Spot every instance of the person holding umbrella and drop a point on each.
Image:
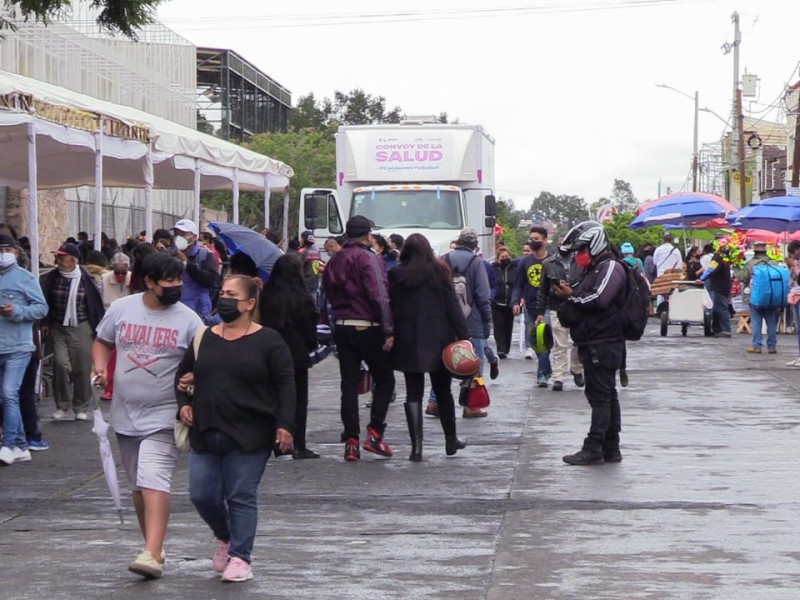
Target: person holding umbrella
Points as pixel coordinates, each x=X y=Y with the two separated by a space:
x=150 y=332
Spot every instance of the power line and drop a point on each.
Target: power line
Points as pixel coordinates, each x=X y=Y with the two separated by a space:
x=365 y=18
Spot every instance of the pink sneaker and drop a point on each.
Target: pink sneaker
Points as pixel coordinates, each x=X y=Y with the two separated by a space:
x=237 y=570
x=221 y=558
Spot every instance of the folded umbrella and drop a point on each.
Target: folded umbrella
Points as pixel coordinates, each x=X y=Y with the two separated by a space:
x=100 y=429
x=240 y=239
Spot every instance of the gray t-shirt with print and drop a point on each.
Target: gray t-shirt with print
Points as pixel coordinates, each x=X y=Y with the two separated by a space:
x=150 y=344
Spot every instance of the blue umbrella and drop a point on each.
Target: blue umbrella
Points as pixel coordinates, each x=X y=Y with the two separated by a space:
x=779 y=214
x=681 y=210
x=240 y=239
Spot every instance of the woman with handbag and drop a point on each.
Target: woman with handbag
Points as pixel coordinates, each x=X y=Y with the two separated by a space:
x=288 y=308
x=241 y=407
x=427 y=318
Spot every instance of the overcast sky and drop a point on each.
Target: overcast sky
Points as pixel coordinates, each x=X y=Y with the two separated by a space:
x=566 y=87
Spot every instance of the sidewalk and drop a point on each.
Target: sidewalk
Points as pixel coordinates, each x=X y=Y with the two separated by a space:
x=703 y=505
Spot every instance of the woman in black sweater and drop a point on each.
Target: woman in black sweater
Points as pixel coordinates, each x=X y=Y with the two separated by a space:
x=242 y=407
x=427 y=317
x=287 y=307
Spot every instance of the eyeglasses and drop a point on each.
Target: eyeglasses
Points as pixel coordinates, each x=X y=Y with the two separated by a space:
x=120 y=272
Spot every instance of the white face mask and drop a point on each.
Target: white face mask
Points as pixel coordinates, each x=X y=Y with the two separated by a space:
x=7 y=259
x=181 y=243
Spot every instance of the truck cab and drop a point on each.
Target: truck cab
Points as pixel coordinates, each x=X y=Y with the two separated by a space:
x=431 y=179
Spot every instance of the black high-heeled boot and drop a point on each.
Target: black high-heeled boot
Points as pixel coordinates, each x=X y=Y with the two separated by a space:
x=414 y=420
x=453 y=445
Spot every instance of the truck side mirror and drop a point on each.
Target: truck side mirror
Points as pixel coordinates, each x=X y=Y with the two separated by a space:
x=490 y=207
x=490 y=222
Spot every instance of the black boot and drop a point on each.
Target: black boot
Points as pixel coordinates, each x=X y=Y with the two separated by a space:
x=414 y=420
x=453 y=445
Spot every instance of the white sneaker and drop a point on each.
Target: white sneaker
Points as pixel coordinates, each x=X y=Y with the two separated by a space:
x=793 y=363
x=59 y=414
x=7 y=455
x=81 y=416
x=21 y=455
x=529 y=354
x=11 y=455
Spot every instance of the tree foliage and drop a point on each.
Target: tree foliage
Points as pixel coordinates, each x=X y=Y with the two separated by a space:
x=622 y=196
x=562 y=210
x=353 y=108
x=312 y=156
x=619 y=231
x=116 y=16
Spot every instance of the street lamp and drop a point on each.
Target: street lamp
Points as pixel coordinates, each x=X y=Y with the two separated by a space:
x=694 y=139
x=708 y=110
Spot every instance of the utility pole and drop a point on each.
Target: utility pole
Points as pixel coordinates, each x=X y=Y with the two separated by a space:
x=796 y=155
x=737 y=108
x=694 y=143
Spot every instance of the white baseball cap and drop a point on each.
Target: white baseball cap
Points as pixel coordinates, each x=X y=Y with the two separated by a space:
x=187 y=226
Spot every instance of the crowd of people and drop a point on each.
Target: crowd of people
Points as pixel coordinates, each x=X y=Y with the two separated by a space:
x=173 y=328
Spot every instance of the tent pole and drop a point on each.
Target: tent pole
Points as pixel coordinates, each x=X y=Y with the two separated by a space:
x=266 y=201
x=98 y=187
x=197 y=192
x=33 y=199
x=285 y=233
x=148 y=190
x=236 y=195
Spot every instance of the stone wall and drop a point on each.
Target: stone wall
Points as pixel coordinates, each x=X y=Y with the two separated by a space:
x=53 y=226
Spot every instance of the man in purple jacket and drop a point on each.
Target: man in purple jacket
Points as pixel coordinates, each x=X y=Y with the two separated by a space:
x=355 y=284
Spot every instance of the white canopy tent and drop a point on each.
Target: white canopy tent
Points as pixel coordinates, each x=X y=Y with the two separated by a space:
x=51 y=137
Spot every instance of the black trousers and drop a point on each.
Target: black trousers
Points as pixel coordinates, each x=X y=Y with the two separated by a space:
x=440 y=381
x=363 y=344
x=27 y=401
x=503 y=322
x=600 y=365
x=300 y=408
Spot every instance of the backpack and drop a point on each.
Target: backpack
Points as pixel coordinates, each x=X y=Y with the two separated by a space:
x=461 y=286
x=770 y=286
x=636 y=308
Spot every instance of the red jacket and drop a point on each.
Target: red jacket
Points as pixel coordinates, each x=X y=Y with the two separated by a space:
x=355 y=284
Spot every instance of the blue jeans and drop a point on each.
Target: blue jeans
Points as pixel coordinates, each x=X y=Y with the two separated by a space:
x=223 y=486
x=757 y=316
x=544 y=370
x=12 y=370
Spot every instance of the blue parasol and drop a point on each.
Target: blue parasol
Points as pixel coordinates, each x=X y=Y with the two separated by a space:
x=683 y=211
x=240 y=239
x=780 y=214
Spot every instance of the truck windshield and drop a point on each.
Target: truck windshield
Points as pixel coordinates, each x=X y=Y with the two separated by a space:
x=396 y=209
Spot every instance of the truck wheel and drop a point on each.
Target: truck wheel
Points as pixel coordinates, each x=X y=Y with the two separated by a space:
x=664 y=323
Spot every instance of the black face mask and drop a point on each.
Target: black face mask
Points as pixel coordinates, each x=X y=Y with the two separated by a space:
x=228 y=309
x=170 y=295
x=505 y=261
x=536 y=245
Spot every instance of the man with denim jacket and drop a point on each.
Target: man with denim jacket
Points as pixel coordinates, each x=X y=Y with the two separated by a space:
x=21 y=303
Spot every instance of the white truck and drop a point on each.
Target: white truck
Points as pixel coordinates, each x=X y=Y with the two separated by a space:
x=433 y=179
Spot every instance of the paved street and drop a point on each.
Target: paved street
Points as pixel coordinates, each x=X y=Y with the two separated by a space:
x=703 y=506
